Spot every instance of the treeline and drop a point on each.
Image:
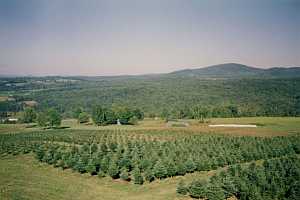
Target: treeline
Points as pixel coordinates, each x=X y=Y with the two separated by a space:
x=274 y=179
x=100 y=115
x=201 y=112
x=119 y=155
x=122 y=115
x=174 y=97
x=250 y=97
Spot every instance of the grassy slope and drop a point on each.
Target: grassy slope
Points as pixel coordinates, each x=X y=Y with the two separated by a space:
x=23 y=177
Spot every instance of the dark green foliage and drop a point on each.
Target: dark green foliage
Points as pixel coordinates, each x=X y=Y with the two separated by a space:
x=137 y=176
x=171 y=168
x=181 y=188
x=29 y=115
x=104 y=164
x=54 y=118
x=161 y=154
x=101 y=174
x=50 y=118
x=190 y=165
x=149 y=176
x=255 y=182
x=198 y=189
x=83 y=117
x=42 y=119
x=173 y=95
x=181 y=168
x=138 y=114
x=80 y=166
x=91 y=168
x=113 y=170
x=124 y=174
x=124 y=114
x=77 y=112
x=94 y=148
x=160 y=170
x=103 y=116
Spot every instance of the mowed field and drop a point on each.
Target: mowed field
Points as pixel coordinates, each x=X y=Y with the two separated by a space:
x=24 y=177
x=266 y=126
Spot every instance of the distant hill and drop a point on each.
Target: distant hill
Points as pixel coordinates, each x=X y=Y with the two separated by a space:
x=234 y=70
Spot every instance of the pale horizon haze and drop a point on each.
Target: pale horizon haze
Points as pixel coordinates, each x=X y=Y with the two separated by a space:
x=118 y=37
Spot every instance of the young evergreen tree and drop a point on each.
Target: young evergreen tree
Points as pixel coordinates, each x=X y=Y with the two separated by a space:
x=80 y=166
x=94 y=148
x=149 y=176
x=160 y=170
x=104 y=165
x=190 y=165
x=113 y=170
x=137 y=176
x=91 y=168
x=198 y=189
x=171 y=168
x=181 y=169
x=181 y=188
x=124 y=174
x=214 y=192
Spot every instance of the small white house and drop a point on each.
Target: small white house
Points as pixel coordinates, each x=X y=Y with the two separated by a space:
x=12 y=119
x=118 y=122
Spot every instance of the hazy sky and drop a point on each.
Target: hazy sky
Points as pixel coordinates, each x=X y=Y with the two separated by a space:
x=109 y=37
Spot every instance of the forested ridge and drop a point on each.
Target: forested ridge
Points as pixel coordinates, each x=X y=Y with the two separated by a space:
x=226 y=90
x=175 y=95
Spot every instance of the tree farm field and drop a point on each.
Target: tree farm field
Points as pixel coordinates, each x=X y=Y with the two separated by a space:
x=27 y=173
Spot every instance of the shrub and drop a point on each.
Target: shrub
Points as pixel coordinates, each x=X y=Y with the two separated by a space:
x=181 y=188
x=137 y=176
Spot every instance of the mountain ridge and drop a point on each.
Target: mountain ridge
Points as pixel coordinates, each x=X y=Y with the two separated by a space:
x=235 y=70
x=225 y=70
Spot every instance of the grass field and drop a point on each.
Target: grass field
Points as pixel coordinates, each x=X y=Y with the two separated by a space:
x=23 y=177
x=267 y=126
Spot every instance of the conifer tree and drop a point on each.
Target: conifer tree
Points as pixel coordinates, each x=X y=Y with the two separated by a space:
x=80 y=166
x=104 y=165
x=91 y=168
x=113 y=170
x=181 y=188
x=137 y=176
x=181 y=168
x=124 y=174
x=190 y=165
x=171 y=168
x=160 y=170
x=198 y=189
x=149 y=176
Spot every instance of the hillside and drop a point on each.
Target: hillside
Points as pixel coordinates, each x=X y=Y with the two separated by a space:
x=253 y=91
x=234 y=70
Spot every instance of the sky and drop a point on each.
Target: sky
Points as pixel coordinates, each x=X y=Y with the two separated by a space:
x=117 y=37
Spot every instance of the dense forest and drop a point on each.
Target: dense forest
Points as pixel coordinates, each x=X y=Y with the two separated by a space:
x=233 y=91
